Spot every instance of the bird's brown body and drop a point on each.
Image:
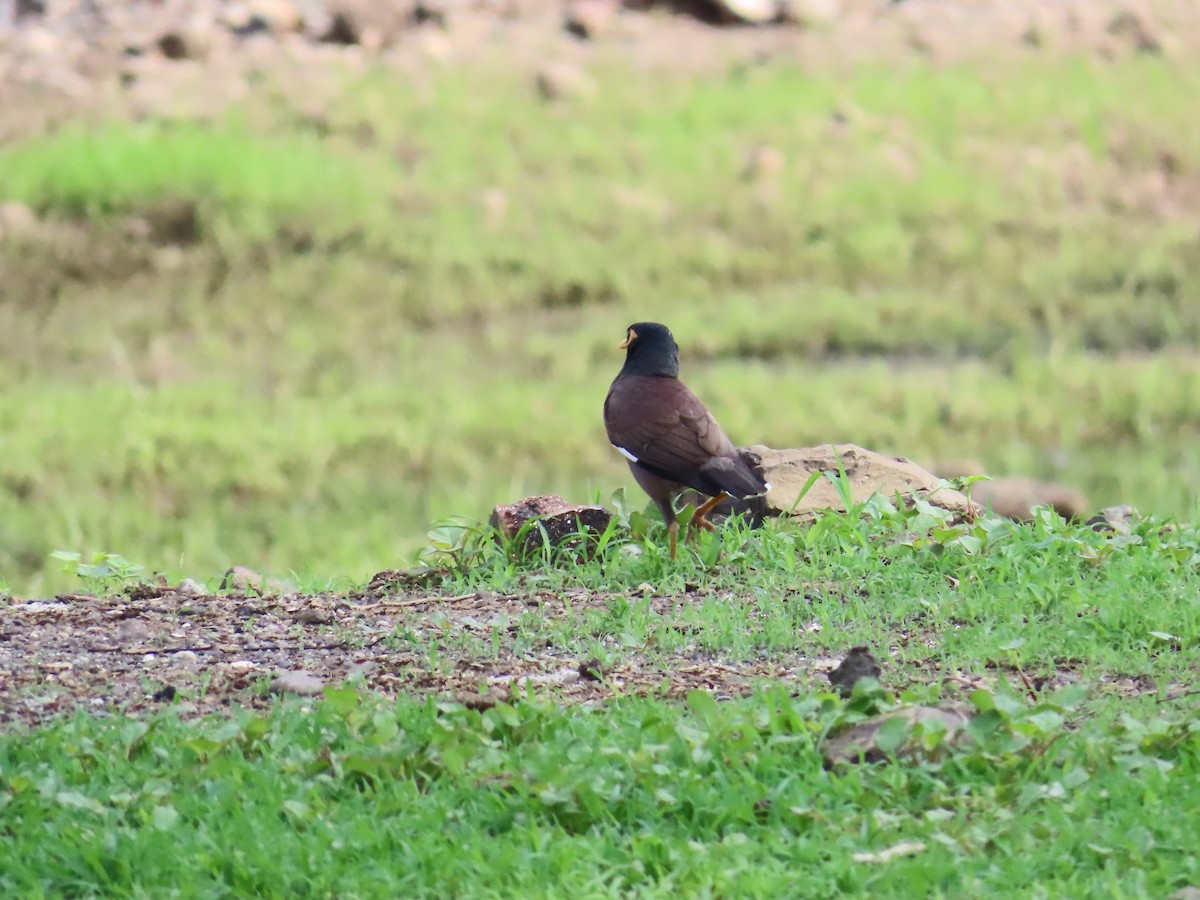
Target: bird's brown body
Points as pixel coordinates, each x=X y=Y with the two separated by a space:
x=670 y=440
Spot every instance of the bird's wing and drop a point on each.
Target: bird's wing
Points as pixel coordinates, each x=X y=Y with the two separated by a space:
x=664 y=427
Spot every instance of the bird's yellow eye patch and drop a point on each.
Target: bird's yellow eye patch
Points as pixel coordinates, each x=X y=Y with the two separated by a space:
x=630 y=337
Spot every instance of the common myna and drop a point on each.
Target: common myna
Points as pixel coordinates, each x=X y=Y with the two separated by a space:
x=670 y=440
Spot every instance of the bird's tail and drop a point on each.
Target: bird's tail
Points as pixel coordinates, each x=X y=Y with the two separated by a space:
x=735 y=475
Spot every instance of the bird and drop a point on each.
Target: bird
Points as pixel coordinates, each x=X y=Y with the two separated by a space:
x=668 y=437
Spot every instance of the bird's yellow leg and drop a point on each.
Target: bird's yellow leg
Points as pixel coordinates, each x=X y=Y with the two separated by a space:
x=698 y=517
x=673 y=536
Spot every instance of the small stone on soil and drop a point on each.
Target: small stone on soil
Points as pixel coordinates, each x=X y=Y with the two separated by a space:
x=858 y=664
x=297 y=683
x=165 y=694
x=314 y=617
x=590 y=670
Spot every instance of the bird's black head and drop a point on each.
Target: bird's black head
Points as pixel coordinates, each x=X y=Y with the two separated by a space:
x=650 y=349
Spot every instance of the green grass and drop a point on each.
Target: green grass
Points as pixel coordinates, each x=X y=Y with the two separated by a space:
x=246 y=183
x=951 y=597
x=1083 y=790
x=639 y=799
x=358 y=341
x=1062 y=794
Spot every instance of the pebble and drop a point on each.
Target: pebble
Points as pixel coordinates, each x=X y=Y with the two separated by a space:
x=297 y=683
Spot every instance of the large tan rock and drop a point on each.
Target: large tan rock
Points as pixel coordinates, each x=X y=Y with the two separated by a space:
x=868 y=472
x=1015 y=497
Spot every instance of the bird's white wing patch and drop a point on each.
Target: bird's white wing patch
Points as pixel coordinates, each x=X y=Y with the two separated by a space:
x=625 y=453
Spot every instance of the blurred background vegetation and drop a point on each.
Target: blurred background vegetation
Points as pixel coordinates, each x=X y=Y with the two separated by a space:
x=293 y=331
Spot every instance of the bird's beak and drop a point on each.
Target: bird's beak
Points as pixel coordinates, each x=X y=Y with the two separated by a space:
x=629 y=339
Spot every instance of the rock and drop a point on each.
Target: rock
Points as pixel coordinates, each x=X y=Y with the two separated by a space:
x=587 y=19
x=555 y=82
x=315 y=18
x=432 y=12
x=755 y=12
x=858 y=664
x=494 y=204
x=811 y=13
x=861 y=742
x=369 y=23
x=192 y=39
x=23 y=10
x=787 y=471
x=561 y=520
x=313 y=616
x=764 y=162
x=1117 y=519
x=168 y=259
x=132 y=631
x=190 y=588
x=17 y=220
x=900 y=160
x=1016 y=497
x=958 y=468
x=1185 y=893
x=247 y=581
x=187 y=659
x=271 y=16
x=420 y=577
x=41 y=42
x=1133 y=28
x=297 y=683
x=591 y=670
x=483 y=700
x=173 y=222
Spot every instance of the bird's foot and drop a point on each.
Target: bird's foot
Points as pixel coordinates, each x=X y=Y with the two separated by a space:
x=700 y=516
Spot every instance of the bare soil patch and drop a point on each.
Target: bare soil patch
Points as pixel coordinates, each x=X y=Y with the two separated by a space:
x=137 y=652
x=206 y=653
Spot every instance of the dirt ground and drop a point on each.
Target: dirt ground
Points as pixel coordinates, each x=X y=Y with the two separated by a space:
x=136 y=653
x=156 y=646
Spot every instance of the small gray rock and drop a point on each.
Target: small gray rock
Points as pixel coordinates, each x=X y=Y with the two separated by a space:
x=1116 y=519
x=132 y=631
x=247 y=581
x=313 y=616
x=297 y=683
x=557 y=82
x=564 y=523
